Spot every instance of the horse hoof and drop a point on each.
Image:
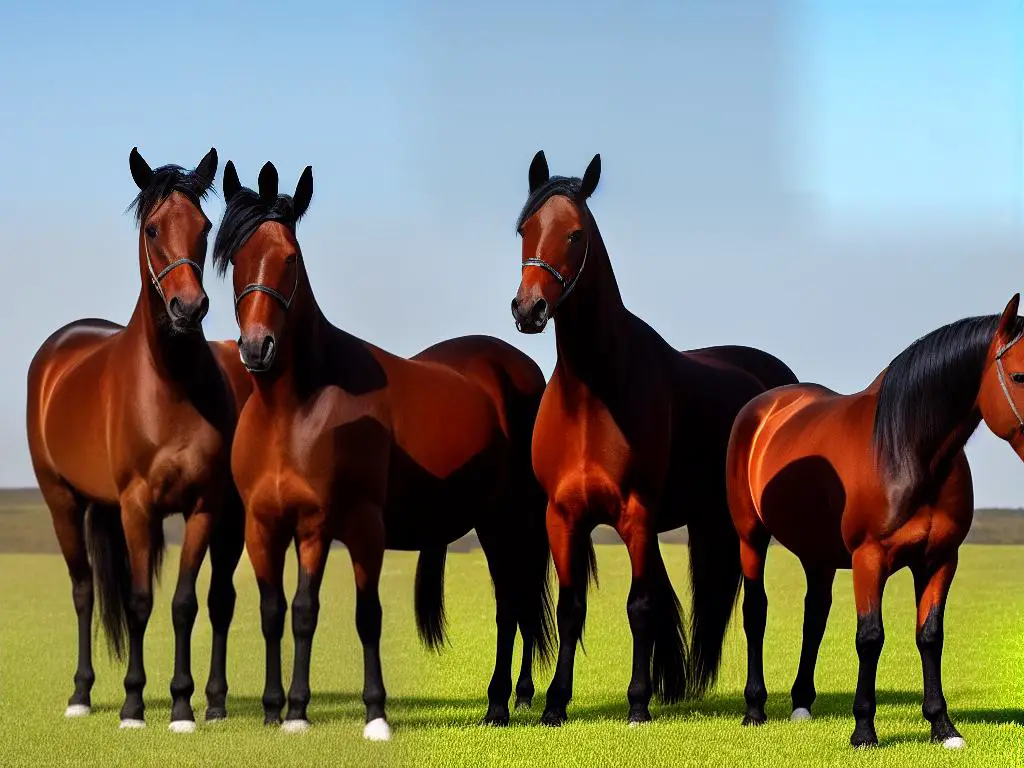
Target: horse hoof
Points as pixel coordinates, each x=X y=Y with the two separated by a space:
x=499 y=720
x=78 y=710
x=377 y=730
x=639 y=718
x=800 y=714
x=553 y=719
x=296 y=726
x=954 y=742
x=863 y=740
x=182 y=726
x=752 y=720
x=216 y=715
x=131 y=724
x=524 y=703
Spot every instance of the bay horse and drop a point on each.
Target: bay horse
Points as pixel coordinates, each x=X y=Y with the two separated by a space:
x=342 y=440
x=631 y=433
x=874 y=481
x=129 y=424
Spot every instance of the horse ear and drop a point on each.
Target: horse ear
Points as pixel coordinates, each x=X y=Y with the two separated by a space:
x=303 y=192
x=591 y=177
x=538 y=171
x=141 y=171
x=268 y=183
x=231 y=182
x=207 y=168
x=1008 y=320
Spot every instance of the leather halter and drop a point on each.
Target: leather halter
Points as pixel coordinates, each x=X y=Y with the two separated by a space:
x=566 y=285
x=1001 y=373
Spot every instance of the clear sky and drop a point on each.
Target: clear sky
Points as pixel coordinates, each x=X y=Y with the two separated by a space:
x=824 y=179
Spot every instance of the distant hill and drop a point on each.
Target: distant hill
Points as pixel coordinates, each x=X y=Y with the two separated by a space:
x=25 y=526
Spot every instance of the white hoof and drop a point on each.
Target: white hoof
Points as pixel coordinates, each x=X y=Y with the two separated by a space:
x=377 y=730
x=296 y=726
x=132 y=725
x=78 y=710
x=954 y=742
x=182 y=726
x=800 y=714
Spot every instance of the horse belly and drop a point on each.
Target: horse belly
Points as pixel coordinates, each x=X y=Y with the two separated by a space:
x=425 y=509
x=802 y=507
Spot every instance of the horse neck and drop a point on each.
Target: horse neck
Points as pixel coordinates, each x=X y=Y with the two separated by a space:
x=588 y=325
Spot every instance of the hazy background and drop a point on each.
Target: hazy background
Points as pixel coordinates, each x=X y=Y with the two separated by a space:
x=826 y=180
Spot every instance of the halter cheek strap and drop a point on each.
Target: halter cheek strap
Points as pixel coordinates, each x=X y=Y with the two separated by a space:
x=1001 y=373
x=156 y=278
x=566 y=285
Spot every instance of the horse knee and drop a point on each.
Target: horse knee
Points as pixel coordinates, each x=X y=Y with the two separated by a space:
x=139 y=608
x=305 y=612
x=870 y=635
x=82 y=595
x=272 y=610
x=929 y=636
x=638 y=609
x=184 y=608
x=368 y=617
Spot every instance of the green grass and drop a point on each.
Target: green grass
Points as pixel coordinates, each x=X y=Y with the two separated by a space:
x=435 y=701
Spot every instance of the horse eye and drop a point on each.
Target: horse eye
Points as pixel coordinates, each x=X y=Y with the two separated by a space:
x=151 y=230
x=290 y=259
x=1018 y=378
x=575 y=236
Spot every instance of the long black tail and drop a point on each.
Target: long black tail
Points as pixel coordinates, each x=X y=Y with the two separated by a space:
x=671 y=658
x=429 y=598
x=715 y=577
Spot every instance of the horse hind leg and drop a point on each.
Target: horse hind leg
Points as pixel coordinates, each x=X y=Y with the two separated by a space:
x=226 y=545
x=68 y=514
x=753 y=551
x=932 y=587
x=817 y=604
x=501 y=566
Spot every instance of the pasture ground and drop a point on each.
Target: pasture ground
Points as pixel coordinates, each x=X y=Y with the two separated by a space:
x=436 y=701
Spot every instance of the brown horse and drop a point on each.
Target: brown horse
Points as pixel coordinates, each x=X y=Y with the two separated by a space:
x=874 y=481
x=631 y=433
x=129 y=424
x=342 y=440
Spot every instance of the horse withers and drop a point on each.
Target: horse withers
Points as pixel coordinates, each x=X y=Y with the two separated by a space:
x=129 y=424
x=874 y=481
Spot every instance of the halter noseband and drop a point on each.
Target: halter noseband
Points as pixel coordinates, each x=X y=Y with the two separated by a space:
x=1001 y=373
x=156 y=278
x=566 y=285
x=286 y=301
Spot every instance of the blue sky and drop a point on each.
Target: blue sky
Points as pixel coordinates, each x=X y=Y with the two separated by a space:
x=827 y=180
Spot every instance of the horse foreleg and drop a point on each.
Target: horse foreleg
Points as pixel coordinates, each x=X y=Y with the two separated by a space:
x=312 y=550
x=566 y=539
x=870 y=571
x=226 y=546
x=932 y=587
x=137 y=521
x=266 y=546
x=184 y=607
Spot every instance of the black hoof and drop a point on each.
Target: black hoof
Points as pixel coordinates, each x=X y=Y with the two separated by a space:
x=271 y=718
x=864 y=737
x=524 y=703
x=213 y=714
x=496 y=718
x=639 y=717
x=754 y=720
x=553 y=718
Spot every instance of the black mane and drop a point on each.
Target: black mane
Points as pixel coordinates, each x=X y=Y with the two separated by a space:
x=244 y=214
x=168 y=179
x=928 y=389
x=556 y=185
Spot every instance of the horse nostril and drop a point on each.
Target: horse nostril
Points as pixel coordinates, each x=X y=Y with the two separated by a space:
x=204 y=307
x=539 y=312
x=267 y=350
x=174 y=307
x=515 y=306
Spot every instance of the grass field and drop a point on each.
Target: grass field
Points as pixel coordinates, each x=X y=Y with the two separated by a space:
x=435 y=701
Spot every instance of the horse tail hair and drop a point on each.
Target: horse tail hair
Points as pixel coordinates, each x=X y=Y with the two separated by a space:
x=429 y=597
x=715 y=577
x=671 y=660
x=108 y=554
